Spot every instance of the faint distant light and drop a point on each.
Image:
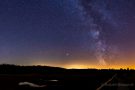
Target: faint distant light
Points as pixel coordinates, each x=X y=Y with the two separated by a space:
x=67 y=54
x=53 y=80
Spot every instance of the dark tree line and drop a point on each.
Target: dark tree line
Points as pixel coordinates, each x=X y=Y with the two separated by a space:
x=16 y=69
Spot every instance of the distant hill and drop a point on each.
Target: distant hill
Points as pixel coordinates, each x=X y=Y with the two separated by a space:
x=10 y=68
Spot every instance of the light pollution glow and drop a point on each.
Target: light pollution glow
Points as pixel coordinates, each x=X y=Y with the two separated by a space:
x=82 y=65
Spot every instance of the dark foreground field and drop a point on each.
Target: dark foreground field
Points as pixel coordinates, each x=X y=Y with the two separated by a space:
x=53 y=78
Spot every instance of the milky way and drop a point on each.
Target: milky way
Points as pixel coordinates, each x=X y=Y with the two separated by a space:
x=67 y=32
x=93 y=13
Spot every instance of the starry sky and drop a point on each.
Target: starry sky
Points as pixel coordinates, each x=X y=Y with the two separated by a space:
x=68 y=33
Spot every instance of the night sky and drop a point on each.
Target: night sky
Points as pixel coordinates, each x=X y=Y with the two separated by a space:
x=68 y=33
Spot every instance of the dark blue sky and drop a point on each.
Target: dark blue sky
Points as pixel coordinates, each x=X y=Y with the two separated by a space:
x=66 y=32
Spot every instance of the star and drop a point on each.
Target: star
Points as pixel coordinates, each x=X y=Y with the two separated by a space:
x=67 y=54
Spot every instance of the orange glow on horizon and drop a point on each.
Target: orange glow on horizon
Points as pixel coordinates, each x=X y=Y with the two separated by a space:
x=87 y=65
x=79 y=66
x=97 y=67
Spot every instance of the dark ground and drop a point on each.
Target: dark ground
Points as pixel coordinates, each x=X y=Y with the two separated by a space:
x=68 y=79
